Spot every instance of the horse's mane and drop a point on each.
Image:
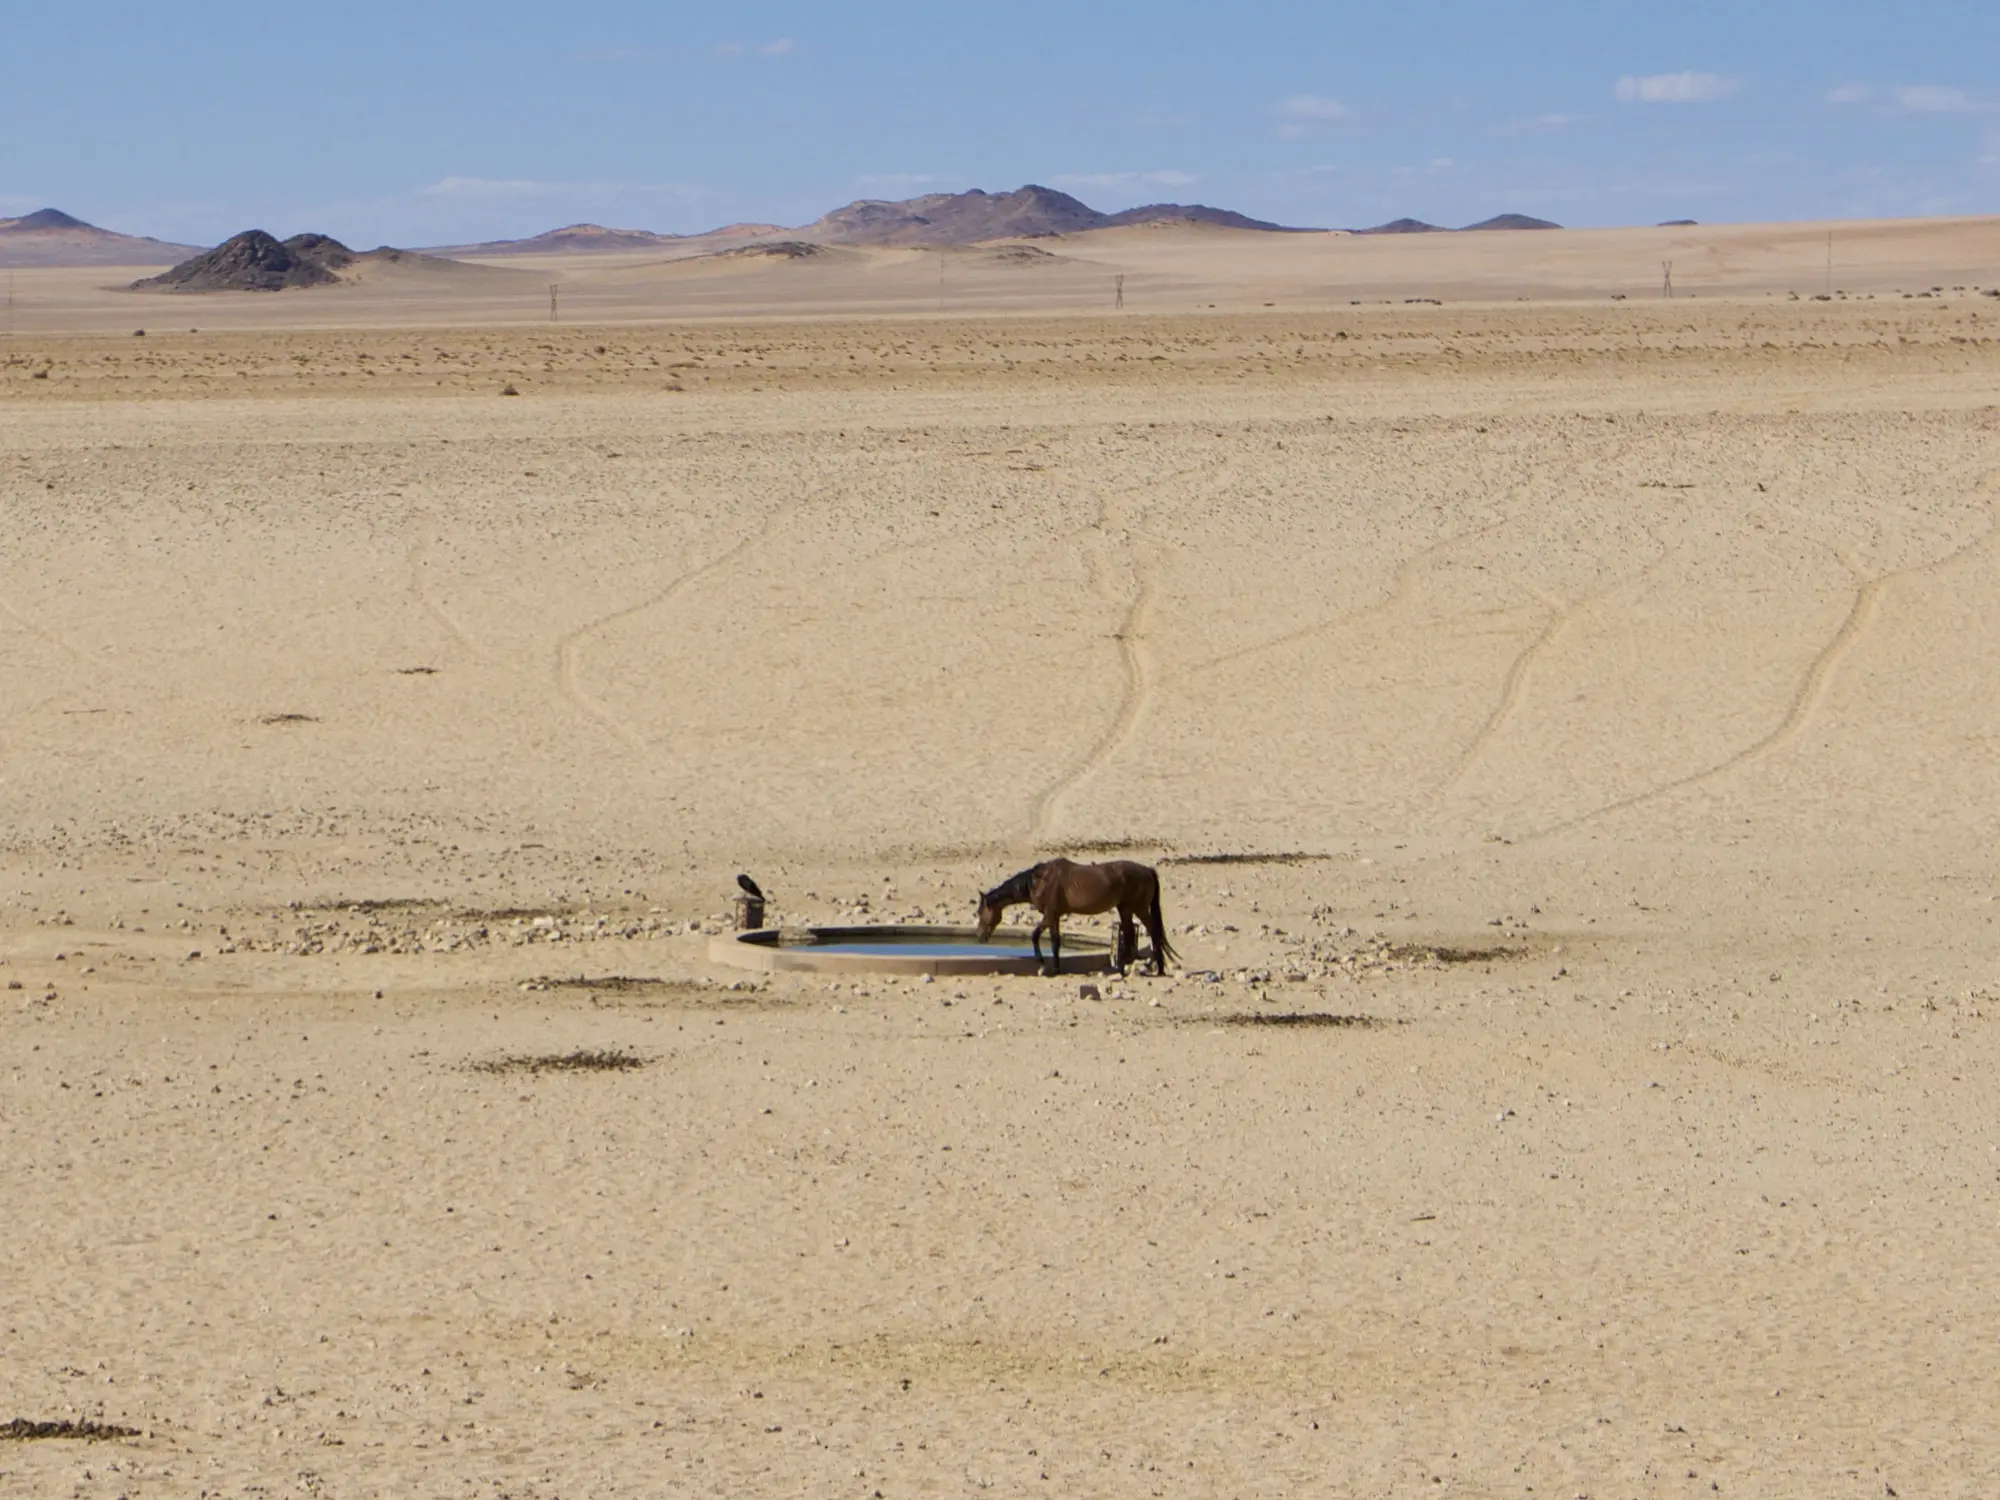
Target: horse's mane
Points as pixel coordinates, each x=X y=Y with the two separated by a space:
x=1015 y=889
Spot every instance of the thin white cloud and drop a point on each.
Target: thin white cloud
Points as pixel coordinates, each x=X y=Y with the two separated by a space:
x=1314 y=107
x=1125 y=179
x=1306 y=114
x=1537 y=124
x=1851 y=93
x=1675 y=88
x=504 y=189
x=779 y=47
x=1935 y=98
x=490 y=187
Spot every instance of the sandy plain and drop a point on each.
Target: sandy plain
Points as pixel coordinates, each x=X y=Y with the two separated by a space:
x=1567 y=730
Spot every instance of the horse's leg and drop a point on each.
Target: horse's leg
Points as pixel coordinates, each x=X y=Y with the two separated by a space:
x=1128 y=942
x=1156 y=929
x=1055 y=943
x=1035 y=938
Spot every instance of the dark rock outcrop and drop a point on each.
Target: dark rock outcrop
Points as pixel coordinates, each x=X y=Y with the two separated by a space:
x=254 y=261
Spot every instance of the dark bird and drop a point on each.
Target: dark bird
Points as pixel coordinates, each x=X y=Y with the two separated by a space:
x=749 y=887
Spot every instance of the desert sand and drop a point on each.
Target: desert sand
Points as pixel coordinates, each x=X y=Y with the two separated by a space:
x=1566 y=729
x=1166 y=269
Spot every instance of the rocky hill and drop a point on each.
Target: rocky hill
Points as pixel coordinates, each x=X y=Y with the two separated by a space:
x=50 y=237
x=1498 y=221
x=1195 y=213
x=953 y=218
x=1512 y=221
x=932 y=219
x=254 y=261
x=970 y=217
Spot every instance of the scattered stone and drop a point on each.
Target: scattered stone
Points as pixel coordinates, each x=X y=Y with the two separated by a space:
x=87 y=1430
x=584 y=1060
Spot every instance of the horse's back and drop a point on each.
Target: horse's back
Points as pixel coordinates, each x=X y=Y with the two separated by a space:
x=1130 y=878
x=1088 y=889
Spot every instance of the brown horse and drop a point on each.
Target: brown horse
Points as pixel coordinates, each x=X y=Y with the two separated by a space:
x=1058 y=888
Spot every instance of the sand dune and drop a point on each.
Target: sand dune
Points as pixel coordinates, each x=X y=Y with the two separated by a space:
x=1565 y=731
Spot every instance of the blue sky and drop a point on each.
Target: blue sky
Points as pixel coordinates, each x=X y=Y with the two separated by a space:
x=432 y=121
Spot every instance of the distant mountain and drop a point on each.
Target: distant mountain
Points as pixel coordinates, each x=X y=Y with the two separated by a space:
x=932 y=219
x=595 y=239
x=254 y=261
x=1676 y=224
x=1511 y=221
x=1194 y=213
x=50 y=237
x=970 y=217
x=45 y=218
x=953 y=218
x=1498 y=221
x=1405 y=226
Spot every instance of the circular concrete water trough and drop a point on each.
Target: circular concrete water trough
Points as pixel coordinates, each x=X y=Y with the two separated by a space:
x=900 y=950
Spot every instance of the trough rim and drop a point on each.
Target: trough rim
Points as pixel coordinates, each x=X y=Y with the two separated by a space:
x=760 y=949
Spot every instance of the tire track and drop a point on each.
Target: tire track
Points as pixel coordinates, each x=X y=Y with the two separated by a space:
x=1810 y=692
x=38 y=633
x=1398 y=590
x=419 y=552
x=1513 y=685
x=1510 y=688
x=1136 y=698
x=568 y=646
x=1134 y=660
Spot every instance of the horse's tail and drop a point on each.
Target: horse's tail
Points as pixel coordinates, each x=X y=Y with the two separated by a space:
x=1162 y=949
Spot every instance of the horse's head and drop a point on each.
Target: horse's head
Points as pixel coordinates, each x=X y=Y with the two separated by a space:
x=990 y=913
